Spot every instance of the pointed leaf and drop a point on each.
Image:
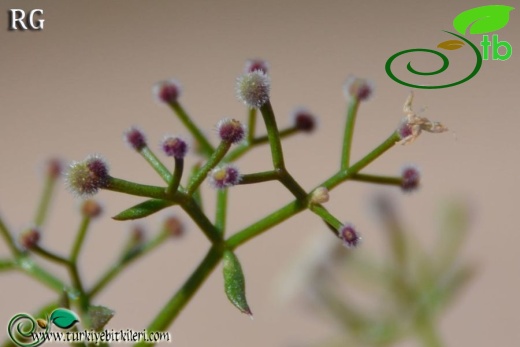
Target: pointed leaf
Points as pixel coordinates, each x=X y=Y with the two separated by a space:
x=482 y=20
x=63 y=318
x=99 y=317
x=234 y=282
x=451 y=45
x=143 y=209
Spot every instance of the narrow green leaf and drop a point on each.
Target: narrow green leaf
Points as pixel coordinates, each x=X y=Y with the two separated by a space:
x=234 y=282
x=63 y=318
x=482 y=20
x=143 y=209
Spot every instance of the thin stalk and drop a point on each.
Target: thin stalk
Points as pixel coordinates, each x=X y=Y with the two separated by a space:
x=127 y=187
x=284 y=133
x=189 y=205
x=273 y=135
x=326 y=216
x=176 y=179
x=43 y=206
x=50 y=255
x=386 y=180
x=73 y=266
x=251 y=125
x=221 y=210
x=213 y=161
x=156 y=164
x=197 y=196
x=29 y=267
x=349 y=132
x=205 y=146
x=294 y=187
x=9 y=239
x=259 y=177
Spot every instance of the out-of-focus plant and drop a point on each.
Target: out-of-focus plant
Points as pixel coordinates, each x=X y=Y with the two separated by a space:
x=378 y=299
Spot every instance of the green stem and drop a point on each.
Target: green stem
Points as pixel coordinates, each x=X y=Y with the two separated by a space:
x=189 y=205
x=290 y=183
x=273 y=135
x=326 y=216
x=29 y=267
x=386 y=180
x=176 y=179
x=43 y=206
x=251 y=125
x=349 y=132
x=73 y=266
x=220 y=218
x=259 y=177
x=50 y=255
x=156 y=164
x=178 y=301
x=213 y=161
x=9 y=239
x=284 y=133
x=428 y=335
x=197 y=196
x=205 y=146
x=127 y=187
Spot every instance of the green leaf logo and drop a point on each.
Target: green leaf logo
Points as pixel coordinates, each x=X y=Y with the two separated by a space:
x=63 y=318
x=482 y=20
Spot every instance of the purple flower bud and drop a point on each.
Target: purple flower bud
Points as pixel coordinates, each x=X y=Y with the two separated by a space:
x=135 y=138
x=304 y=120
x=256 y=64
x=231 y=130
x=167 y=91
x=173 y=226
x=54 y=167
x=358 y=88
x=253 y=88
x=405 y=130
x=29 y=238
x=411 y=178
x=85 y=178
x=91 y=208
x=349 y=235
x=174 y=147
x=224 y=176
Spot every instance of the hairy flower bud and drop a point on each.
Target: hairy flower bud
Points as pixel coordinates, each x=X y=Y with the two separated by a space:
x=53 y=168
x=319 y=195
x=167 y=91
x=135 y=138
x=86 y=177
x=174 y=146
x=304 y=120
x=349 y=235
x=358 y=88
x=256 y=64
x=253 y=88
x=231 y=130
x=91 y=208
x=29 y=238
x=224 y=176
x=411 y=178
x=173 y=226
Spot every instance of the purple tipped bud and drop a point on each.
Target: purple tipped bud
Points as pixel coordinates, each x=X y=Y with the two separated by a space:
x=231 y=130
x=135 y=138
x=224 y=176
x=411 y=178
x=174 y=147
x=173 y=226
x=404 y=130
x=349 y=235
x=358 y=88
x=91 y=208
x=256 y=64
x=253 y=88
x=85 y=178
x=304 y=120
x=54 y=167
x=167 y=91
x=29 y=238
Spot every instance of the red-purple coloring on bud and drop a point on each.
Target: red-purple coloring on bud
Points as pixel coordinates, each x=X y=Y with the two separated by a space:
x=91 y=208
x=358 y=88
x=231 y=130
x=135 y=138
x=54 y=167
x=173 y=226
x=85 y=178
x=349 y=235
x=224 y=176
x=411 y=178
x=29 y=238
x=304 y=120
x=174 y=147
x=167 y=91
x=256 y=64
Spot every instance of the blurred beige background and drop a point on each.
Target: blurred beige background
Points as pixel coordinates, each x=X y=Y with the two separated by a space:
x=73 y=88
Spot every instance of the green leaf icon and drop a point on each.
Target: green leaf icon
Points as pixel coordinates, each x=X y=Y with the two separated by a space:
x=63 y=318
x=482 y=20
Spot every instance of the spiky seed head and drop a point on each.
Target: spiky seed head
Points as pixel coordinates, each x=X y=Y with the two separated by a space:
x=224 y=176
x=358 y=88
x=231 y=130
x=167 y=91
x=135 y=138
x=304 y=120
x=411 y=178
x=85 y=178
x=174 y=146
x=253 y=88
x=349 y=235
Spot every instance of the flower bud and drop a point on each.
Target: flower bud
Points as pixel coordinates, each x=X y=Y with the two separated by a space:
x=253 y=88
x=320 y=195
x=358 y=88
x=173 y=226
x=231 y=130
x=54 y=167
x=167 y=91
x=29 y=238
x=86 y=177
x=304 y=120
x=411 y=178
x=349 y=235
x=135 y=138
x=174 y=147
x=224 y=176
x=91 y=208
x=256 y=64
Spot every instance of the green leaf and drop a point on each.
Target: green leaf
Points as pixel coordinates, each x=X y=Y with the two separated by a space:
x=143 y=209
x=63 y=318
x=99 y=316
x=482 y=20
x=451 y=45
x=234 y=283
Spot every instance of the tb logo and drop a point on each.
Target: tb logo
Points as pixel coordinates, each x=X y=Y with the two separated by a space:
x=19 y=20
